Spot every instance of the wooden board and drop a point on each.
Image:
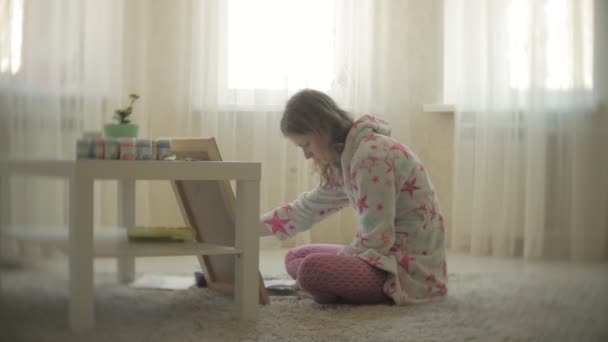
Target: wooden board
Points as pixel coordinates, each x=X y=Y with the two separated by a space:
x=209 y=208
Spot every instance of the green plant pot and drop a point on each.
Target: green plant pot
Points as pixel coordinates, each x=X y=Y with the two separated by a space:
x=120 y=131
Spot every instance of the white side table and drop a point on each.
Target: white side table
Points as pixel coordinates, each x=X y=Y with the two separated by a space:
x=80 y=238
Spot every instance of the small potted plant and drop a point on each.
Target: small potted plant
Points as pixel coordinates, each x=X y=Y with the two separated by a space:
x=123 y=128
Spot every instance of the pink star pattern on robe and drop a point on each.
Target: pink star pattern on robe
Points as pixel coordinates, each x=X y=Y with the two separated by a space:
x=370 y=137
x=376 y=179
x=421 y=211
x=368 y=164
x=361 y=204
x=352 y=179
x=390 y=163
x=391 y=289
x=385 y=239
x=442 y=289
x=374 y=121
x=363 y=240
x=431 y=278
x=397 y=246
x=433 y=212
x=410 y=186
x=277 y=224
x=405 y=261
x=374 y=261
x=401 y=148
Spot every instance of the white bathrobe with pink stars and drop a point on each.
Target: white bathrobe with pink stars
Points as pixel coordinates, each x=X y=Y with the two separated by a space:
x=400 y=227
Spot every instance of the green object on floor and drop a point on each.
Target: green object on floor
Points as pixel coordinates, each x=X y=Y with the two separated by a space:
x=157 y=234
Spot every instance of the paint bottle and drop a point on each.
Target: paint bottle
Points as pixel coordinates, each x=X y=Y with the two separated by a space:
x=111 y=149
x=84 y=148
x=127 y=149
x=154 y=150
x=99 y=148
x=143 y=149
x=164 y=148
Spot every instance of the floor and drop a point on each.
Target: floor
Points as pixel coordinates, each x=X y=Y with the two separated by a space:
x=490 y=299
x=271 y=263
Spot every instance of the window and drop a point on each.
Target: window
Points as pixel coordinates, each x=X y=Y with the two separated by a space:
x=11 y=28
x=280 y=44
x=251 y=56
x=559 y=51
x=517 y=46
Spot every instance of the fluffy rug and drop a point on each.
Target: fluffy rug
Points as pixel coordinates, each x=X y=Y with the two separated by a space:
x=491 y=302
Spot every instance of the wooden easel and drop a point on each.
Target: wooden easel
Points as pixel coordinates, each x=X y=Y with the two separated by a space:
x=209 y=208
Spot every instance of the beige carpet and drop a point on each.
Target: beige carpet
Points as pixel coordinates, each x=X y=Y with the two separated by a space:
x=489 y=300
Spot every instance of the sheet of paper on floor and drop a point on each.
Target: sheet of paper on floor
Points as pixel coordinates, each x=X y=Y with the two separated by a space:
x=164 y=282
x=273 y=282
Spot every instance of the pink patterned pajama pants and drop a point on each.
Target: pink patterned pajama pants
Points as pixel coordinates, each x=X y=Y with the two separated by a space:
x=330 y=278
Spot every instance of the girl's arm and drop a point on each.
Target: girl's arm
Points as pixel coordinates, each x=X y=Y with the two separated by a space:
x=303 y=213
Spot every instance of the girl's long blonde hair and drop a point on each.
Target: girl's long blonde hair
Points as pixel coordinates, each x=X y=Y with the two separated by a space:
x=311 y=111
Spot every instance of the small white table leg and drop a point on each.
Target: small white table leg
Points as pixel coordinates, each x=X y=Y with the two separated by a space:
x=126 y=214
x=3 y=215
x=8 y=244
x=3 y=211
x=81 y=306
x=247 y=264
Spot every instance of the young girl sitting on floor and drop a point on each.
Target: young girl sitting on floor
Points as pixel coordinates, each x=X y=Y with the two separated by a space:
x=398 y=252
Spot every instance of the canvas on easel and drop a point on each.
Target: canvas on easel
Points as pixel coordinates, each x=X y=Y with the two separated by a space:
x=209 y=208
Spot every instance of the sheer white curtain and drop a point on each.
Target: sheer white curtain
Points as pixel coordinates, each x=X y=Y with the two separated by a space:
x=60 y=75
x=203 y=68
x=530 y=171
